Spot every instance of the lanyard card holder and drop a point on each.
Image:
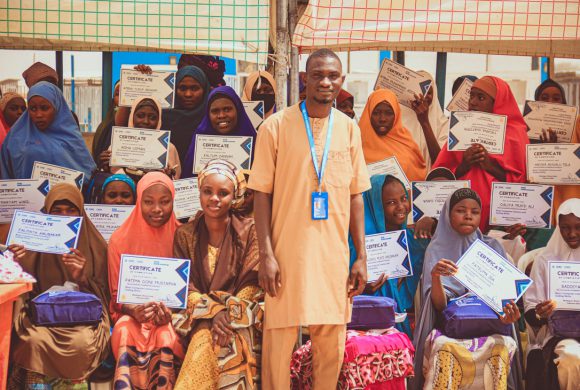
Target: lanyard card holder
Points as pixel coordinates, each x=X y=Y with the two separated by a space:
x=319 y=205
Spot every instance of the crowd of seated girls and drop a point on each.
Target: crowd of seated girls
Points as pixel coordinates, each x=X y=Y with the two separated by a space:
x=153 y=346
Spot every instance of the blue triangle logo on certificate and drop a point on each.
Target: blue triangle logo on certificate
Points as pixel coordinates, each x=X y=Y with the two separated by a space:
x=407 y=263
x=70 y=243
x=522 y=285
x=577 y=152
x=417 y=213
x=548 y=194
x=247 y=145
x=163 y=159
x=170 y=80
x=425 y=85
x=453 y=141
x=79 y=181
x=259 y=109
x=246 y=164
x=546 y=217
x=453 y=120
x=164 y=139
x=44 y=187
x=183 y=270
x=402 y=240
x=74 y=225
x=527 y=109
x=416 y=191
x=181 y=296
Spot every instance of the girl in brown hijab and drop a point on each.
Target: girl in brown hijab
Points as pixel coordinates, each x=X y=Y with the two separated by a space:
x=63 y=355
x=223 y=310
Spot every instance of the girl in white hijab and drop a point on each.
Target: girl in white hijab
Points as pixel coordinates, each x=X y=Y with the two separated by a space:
x=561 y=357
x=426 y=122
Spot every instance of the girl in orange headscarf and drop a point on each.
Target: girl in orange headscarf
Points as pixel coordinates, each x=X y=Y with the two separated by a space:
x=144 y=333
x=384 y=136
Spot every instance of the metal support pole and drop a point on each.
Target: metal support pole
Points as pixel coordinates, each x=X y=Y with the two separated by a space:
x=294 y=59
x=441 y=73
x=107 y=85
x=281 y=68
x=72 y=83
x=59 y=69
x=399 y=56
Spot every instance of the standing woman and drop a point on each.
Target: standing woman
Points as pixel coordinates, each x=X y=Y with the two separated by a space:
x=384 y=136
x=261 y=86
x=492 y=95
x=144 y=342
x=45 y=356
x=225 y=115
x=223 y=249
x=426 y=122
x=345 y=103
x=191 y=91
x=46 y=132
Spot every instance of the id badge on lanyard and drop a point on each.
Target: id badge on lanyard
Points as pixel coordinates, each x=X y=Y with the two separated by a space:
x=319 y=199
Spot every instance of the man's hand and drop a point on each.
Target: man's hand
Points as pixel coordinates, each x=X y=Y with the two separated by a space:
x=269 y=275
x=357 y=279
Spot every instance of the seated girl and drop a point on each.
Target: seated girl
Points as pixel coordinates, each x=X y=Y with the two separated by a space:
x=144 y=342
x=145 y=114
x=118 y=189
x=225 y=115
x=45 y=356
x=442 y=362
x=387 y=206
x=560 y=366
x=223 y=310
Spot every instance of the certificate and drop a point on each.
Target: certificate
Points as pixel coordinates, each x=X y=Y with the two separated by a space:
x=404 y=82
x=543 y=116
x=255 y=111
x=474 y=127
x=44 y=232
x=135 y=85
x=388 y=253
x=139 y=148
x=153 y=279
x=55 y=174
x=530 y=204
x=564 y=284
x=491 y=277
x=186 y=202
x=107 y=217
x=233 y=148
x=429 y=196
x=460 y=101
x=553 y=163
x=389 y=166
x=25 y=194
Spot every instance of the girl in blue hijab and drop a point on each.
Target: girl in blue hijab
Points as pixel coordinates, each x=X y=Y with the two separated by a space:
x=225 y=116
x=46 y=132
x=387 y=206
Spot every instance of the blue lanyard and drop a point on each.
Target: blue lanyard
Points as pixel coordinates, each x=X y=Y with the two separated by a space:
x=319 y=171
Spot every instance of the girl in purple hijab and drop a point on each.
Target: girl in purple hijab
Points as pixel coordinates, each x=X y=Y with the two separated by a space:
x=225 y=116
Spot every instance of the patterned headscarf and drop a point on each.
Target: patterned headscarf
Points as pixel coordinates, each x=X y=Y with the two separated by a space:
x=7 y=98
x=230 y=171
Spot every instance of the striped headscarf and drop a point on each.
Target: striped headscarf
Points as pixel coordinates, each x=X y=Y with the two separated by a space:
x=230 y=171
